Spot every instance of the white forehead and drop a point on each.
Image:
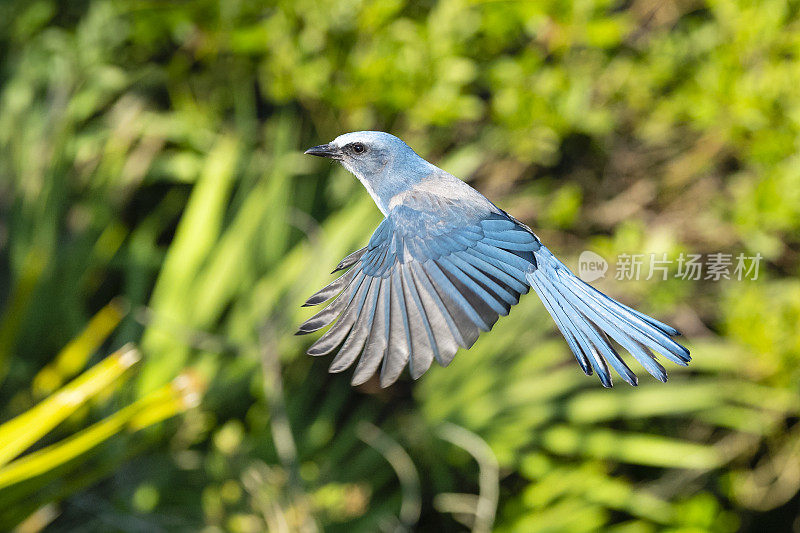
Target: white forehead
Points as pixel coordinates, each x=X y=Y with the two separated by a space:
x=370 y=138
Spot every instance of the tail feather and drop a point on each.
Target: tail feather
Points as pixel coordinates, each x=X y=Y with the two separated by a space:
x=626 y=337
x=632 y=323
x=593 y=341
x=564 y=325
x=589 y=319
x=560 y=310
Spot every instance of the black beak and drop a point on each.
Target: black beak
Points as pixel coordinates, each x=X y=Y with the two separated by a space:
x=325 y=150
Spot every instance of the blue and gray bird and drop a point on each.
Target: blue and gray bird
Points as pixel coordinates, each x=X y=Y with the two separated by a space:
x=444 y=265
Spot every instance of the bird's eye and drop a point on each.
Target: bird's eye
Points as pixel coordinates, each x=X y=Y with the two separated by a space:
x=358 y=148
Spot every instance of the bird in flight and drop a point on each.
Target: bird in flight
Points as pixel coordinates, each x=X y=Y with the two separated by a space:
x=444 y=265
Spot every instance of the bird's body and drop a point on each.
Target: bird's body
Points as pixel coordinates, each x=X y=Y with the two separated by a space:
x=443 y=265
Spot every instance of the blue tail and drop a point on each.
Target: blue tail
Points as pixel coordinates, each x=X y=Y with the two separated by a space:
x=589 y=319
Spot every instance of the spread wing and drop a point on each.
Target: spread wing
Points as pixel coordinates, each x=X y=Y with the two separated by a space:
x=423 y=287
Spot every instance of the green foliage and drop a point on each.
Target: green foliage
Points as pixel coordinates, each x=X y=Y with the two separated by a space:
x=152 y=151
x=29 y=483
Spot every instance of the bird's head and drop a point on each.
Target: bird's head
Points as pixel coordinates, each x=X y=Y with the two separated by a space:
x=366 y=154
x=382 y=162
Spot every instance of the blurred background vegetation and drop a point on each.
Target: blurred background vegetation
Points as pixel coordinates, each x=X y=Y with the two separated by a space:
x=159 y=228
